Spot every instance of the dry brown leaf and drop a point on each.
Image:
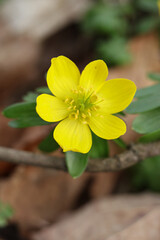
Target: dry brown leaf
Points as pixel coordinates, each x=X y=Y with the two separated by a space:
x=118 y=217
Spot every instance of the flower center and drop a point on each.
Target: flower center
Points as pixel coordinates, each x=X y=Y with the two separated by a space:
x=82 y=104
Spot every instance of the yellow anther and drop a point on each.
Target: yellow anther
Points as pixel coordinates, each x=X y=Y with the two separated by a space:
x=95 y=108
x=76 y=91
x=74 y=108
x=76 y=116
x=84 y=122
x=72 y=101
x=78 y=112
x=66 y=100
x=81 y=90
x=69 y=108
x=89 y=113
x=93 y=98
x=99 y=115
x=84 y=115
x=73 y=116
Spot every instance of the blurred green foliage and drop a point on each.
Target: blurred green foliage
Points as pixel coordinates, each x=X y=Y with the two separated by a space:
x=112 y=24
x=6 y=212
x=146 y=5
x=114 y=51
x=48 y=144
x=146 y=175
x=154 y=76
x=147 y=104
x=105 y=19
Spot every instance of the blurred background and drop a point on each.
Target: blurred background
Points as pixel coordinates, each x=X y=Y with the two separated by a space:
x=49 y=204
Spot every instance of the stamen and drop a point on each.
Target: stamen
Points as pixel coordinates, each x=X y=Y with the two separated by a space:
x=76 y=116
x=66 y=100
x=83 y=103
x=84 y=122
x=99 y=115
x=72 y=101
x=76 y=91
x=69 y=108
x=89 y=112
x=93 y=98
x=84 y=115
x=95 y=108
x=73 y=116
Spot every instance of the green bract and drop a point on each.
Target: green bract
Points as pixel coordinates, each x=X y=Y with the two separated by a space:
x=24 y=114
x=147 y=104
x=76 y=163
x=6 y=212
x=48 y=144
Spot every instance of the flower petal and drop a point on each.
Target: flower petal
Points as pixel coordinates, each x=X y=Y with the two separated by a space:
x=94 y=75
x=117 y=95
x=62 y=76
x=50 y=108
x=72 y=135
x=107 y=126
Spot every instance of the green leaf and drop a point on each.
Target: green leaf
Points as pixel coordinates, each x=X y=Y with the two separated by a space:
x=30 y=97
x=99 y=148
x=121 y=114
x=147 y=5
x=146 y=174
x=143 y=92
x=126 y=9
x=76 y=163
x=154 y=76
x=3 y=222
x=19 y=110
x=144 y=104
x=114 y=51
x=120 y=143
x=104 y=19
x=147 y=24
x=150 y=137
x=25 y=115
x=48 y=144
x=6 y=212
x=27 y=122
x=43 y=90
x=147 y=122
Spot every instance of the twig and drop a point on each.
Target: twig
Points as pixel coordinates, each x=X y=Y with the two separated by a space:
x=136 y=153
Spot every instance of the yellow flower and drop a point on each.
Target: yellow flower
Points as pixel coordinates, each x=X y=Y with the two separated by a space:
x=84 y=102
x=159 y=6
